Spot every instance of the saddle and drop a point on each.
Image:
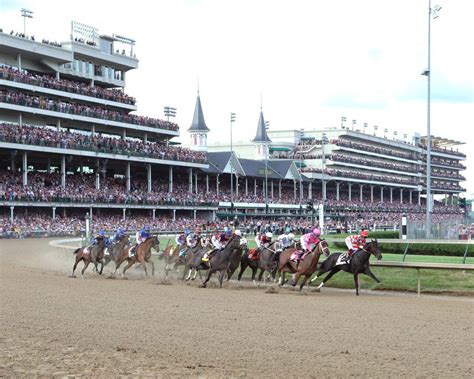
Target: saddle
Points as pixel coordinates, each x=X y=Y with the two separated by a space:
x=254 y=254
x=298 y=256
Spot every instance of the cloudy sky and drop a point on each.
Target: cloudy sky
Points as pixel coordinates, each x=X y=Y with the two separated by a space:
x=310 y=61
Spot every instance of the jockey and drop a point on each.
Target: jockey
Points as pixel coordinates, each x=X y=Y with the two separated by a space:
x=140 y=236
x=182 y=242
x=310 y=240
x=263 y=240
x=219 y=241
x=355 y=242
x=285 y=240
x=193 y=238
x=100 y=236
x=243 y=240
x=119 y=235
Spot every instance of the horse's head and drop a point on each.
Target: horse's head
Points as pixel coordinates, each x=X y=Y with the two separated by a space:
x=374 y=248
x=323 y=247
x=155 y=243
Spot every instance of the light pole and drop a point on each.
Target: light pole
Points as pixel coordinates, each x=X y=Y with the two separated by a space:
x=25 y=13
x=365 y=127
x=301 y=166
x=267 y=125
x=354 y=122
x=169 y=112
x=343 y=120
x=432 y=13
x=375 y=129
x=324 y=140
x=232 y=120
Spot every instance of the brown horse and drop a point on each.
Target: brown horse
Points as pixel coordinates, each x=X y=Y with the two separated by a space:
x=142 y=256
x=305 y=268
x=95 y=255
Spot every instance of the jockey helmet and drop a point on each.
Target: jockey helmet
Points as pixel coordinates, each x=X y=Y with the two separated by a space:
x=101 y=233
x=228 y=232
x=364 y=233
x=316 y=232
x=186 y=231
x=147 y=228
x=120 y=231
x=238 y=232
x=291 y=236
x=226 y=229
x=268 y=235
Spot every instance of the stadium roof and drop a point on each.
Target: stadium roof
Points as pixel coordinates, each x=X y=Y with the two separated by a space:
x=442 y=142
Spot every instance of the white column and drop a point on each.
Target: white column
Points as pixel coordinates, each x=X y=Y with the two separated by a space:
x=48 y=166
x=194 y=214
x=170 y=189
x=174 y=215
x=246 y=187
x=190 y=179
x=294 y=189
x=93 y=130
x=54 y=213
x=148 y=169
x=310 y=191
x=419 y=197
x=350 y=191
x=25 y=168
x=18 y=58
x=401 y=195
x=124 y=214
x=207 y=183
x=255 y=187
x=20 y=119
x=411 y=196
x=124 y=134
x=217 y=184
x=237 y=186
x=63 y=171
x=153 y=213
x=445 y=199
x=196 y=182
x=381 y=194
x=271 y=188
x=145 y=137
x=360 y=191
x=58 y=124
x=337 y=190
x=127 y=176
x=97 y=175
x=279 y=189
x=12 y=209
x=371 y=193
x=391 y=195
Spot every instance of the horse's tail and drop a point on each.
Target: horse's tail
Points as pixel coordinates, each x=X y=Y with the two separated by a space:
x=77 y=250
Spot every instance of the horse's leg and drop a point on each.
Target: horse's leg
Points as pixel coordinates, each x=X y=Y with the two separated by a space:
x=243 y=266
x=305 y=279
x=143 y=264
x=130 y=264
x=296 y=277
x=221 y=277
x=254 y=272
x=78 y=259
x=209 y=273
x=282 y=278
x=333 y=271
x=101 y=266
x=371 y=274
x=86 y=263
x=356 y=281
x=152 y=268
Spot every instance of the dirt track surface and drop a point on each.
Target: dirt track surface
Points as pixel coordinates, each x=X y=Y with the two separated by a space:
x=52 y=325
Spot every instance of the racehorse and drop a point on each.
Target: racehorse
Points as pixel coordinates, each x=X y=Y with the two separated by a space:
x=142 y=256
x=192 y=260
x=359 y=264
x=305 y=268
x=222 y=260
x=266 y=261
x=115 y=251
x=95 y=255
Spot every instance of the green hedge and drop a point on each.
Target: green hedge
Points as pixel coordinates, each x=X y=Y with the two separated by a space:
x=421 y=249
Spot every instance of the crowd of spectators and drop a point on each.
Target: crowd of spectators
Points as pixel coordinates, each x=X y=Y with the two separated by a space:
x=360 y=175
x=447 y=162
x=46 y=81
x=445 y=150
x=372 y=163
x=374 y=149
x=41 y=102
x=51 y=137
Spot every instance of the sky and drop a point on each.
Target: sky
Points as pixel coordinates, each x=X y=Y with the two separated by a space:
x=308 y=63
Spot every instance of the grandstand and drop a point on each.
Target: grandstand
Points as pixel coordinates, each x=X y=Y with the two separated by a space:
x=71 y=144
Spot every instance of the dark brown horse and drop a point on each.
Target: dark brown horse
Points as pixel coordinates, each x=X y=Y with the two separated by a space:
x=266 y=261
x=142 y=256
x=113 y=252
x=359 y=264
x=95 y=255
x=305 y=268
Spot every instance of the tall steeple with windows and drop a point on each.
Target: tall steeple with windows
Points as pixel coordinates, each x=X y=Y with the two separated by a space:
x=261 y=140
x=198 y=130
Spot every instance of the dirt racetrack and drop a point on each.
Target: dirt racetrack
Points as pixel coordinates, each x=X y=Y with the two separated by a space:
x=52 y=325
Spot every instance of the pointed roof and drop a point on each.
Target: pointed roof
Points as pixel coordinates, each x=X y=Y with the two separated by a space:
x=261 y=135
x=198 y=125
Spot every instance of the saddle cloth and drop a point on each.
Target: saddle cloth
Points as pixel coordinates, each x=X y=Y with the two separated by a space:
x=343 y=259
x=131 y=252
x=106 y=251
x=254 y=254
x=297 y=256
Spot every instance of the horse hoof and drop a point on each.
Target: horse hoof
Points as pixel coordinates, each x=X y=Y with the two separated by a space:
x=72 y=276
x=317 y=290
